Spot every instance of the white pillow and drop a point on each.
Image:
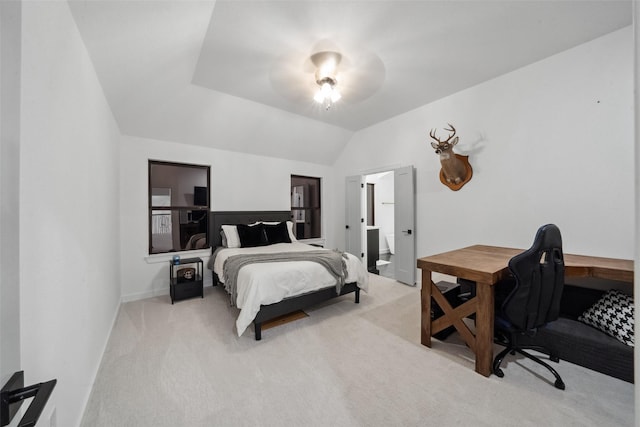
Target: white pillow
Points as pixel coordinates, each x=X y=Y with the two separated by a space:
x=232 y=237
x=290 y=228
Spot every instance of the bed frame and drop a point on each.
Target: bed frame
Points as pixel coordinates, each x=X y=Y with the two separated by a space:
x=288 y=305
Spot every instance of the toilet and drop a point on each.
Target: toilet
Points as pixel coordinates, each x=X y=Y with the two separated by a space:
x=391 y=242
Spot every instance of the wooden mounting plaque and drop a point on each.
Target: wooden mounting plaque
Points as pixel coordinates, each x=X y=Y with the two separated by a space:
x=467 y=178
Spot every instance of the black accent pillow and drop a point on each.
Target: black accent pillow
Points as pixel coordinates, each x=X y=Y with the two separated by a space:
x=252 y=235
x=277 y=233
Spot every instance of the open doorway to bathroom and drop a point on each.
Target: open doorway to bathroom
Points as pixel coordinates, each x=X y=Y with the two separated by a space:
x=380 y=223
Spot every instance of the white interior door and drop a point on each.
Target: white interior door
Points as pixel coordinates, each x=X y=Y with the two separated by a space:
x=354 y=222
x=404 y=227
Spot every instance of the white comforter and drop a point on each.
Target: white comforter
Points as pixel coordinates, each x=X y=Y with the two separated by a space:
x=268 y=283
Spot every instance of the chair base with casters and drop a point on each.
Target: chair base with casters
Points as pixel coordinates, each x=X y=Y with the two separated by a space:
x=512 y=347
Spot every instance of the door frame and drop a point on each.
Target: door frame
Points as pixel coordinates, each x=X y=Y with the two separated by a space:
x=363 y=213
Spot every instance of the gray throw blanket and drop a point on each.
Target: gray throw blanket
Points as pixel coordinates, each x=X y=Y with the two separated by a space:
x=333 y=261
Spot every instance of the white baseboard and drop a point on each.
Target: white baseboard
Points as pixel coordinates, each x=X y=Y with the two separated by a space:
x=207 y=281
x=144 y=295
x=94 y=375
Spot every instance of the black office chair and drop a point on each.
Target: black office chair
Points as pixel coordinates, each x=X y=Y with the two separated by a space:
x=532 y=298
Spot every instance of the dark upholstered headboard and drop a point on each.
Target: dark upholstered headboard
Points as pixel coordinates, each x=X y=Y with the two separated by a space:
x=217 y=219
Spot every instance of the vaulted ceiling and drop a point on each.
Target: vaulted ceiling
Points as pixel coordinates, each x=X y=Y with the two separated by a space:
x=236 y=75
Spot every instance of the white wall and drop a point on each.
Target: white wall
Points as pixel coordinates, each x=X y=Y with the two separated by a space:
x=69 y=224
x=10 y=26
x=238 y=182
x=549 y=143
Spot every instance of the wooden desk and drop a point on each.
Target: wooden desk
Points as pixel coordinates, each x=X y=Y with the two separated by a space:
x=486 y=265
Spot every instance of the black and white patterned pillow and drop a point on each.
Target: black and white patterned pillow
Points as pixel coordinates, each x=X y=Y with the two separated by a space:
x=613 y=315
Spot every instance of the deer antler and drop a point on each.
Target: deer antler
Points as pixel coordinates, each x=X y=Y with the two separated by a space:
x=451 y=129
x=432 y=134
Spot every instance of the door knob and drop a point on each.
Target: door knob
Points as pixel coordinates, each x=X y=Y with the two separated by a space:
x=406 y=231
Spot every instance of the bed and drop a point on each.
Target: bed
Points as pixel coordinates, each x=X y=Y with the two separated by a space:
x=273 y=284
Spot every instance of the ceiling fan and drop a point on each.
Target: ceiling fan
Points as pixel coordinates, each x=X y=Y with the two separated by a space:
x=327 y=74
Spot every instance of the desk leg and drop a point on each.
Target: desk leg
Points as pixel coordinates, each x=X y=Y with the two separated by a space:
x=425 y=333
x=484 y=328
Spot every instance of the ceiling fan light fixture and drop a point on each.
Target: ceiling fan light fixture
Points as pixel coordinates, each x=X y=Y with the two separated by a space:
x=326 y=89
x=335 y=95
x=327 y=65
x=327 y=95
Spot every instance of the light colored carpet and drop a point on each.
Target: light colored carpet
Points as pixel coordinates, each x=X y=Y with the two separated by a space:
x=345 y=365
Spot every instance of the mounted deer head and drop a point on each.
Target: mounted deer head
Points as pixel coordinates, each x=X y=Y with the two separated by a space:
x=456 y=169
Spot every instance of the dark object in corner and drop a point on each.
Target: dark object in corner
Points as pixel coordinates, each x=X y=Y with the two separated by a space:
x=14 y=392
x=579 y=343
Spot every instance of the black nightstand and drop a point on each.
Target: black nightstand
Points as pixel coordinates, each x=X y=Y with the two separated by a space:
x=186 y=279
